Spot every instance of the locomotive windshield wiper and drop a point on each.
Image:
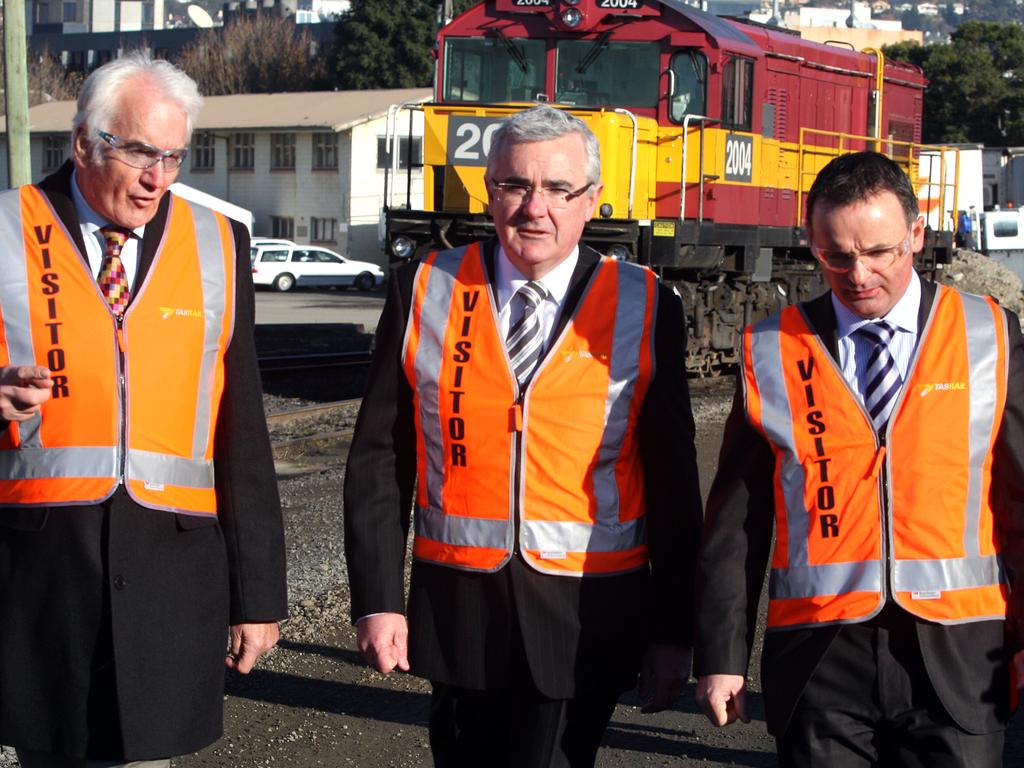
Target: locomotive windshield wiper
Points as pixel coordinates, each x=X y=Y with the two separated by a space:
x=517 y=55
x=596 y=49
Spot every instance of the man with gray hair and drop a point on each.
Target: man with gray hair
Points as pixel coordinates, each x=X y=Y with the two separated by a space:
x=529 y=397
x=139 y=516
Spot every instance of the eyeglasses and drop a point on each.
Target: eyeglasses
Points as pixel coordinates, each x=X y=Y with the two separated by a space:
x=877 y=259
x=139 y=154
x=514 y=194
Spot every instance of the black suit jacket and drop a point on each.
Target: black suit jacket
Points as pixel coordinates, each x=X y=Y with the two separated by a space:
x=967 y=663
x=90 y=592
x=577 y=634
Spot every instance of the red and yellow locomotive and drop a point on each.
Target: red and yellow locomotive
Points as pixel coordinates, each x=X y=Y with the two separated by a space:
x=711 y=129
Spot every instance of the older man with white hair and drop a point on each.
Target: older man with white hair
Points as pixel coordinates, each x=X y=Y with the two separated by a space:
x=139 y=518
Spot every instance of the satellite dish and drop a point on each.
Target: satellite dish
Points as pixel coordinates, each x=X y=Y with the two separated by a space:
x=199 y=17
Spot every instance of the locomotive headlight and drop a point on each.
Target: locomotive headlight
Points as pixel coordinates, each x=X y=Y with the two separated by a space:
x=572 y=17
x=570 y=2
x=402 y=247
x=618 y=252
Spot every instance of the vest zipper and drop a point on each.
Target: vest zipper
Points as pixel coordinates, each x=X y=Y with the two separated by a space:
x=123 y=410
x=885 y=522
x=517 y=466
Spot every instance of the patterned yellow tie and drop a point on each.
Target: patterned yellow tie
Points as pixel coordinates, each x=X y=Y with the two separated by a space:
x=113 y=279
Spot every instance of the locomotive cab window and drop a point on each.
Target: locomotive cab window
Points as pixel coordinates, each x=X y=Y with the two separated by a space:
x=737 y=93
x=599 y=73
x=691 y=76
x=493 y=69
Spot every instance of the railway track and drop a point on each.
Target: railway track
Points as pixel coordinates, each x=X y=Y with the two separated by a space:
x=306 y=362
x=308 y=411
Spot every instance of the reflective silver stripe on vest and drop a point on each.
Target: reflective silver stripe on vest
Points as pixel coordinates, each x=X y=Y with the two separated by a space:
x=825 y=579
x=433 y=324
x=161 y=469
x=46 y=463
x=623 y=370
x=549 y=536
x=14 y=299
x=949 y=574
x=982 y=356
x=777 y=422
x=461 y=531
x=607 y=533
x=214 y=286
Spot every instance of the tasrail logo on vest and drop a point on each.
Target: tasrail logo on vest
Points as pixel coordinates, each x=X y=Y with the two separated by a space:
x=583 y=354
x=166 y=312
x=942 y=386
x=463 y=353
x=50 y=288
x=817 y=429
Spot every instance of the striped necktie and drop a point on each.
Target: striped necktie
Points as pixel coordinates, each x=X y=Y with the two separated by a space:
x=113 y=279
x=882 y=376
x=524 y=339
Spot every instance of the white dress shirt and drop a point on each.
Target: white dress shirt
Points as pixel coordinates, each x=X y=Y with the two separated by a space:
x=508 y=280
x=96 y=244
x=854 y=349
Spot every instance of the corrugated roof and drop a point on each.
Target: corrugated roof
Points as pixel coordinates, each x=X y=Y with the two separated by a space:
x=337 y=110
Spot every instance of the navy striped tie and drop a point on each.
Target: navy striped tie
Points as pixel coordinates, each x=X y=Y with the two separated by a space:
x=882 y=376
x=524 y=339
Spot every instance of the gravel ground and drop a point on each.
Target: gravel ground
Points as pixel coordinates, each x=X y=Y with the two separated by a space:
x=976 y=273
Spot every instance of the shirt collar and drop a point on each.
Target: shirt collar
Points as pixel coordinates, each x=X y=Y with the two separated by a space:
x=903 y=315
x=508 y=279
x=87 y=217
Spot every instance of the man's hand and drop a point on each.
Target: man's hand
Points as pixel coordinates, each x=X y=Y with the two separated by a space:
x=664 y=672
x=23 y=390
x=722 y=698
x=383 y=640
x=249 y=642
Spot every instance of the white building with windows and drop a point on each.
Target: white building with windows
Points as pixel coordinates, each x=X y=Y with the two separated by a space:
x=310 y=166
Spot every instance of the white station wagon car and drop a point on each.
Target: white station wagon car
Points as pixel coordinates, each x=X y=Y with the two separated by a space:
x=284 y=265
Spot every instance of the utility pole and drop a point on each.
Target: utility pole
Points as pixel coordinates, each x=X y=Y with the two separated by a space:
x=19 y=166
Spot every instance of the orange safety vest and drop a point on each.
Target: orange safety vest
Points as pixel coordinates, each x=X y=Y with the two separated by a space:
x=907 y=517
x=562 y=458
x=133 y=402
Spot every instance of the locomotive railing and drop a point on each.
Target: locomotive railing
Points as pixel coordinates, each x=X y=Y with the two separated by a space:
x=391 y=143
x=812 y=157
x=703 y=120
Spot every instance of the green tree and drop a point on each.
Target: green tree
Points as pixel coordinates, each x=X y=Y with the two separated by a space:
x=386 y=44
x=976 y=84
x=389 y=43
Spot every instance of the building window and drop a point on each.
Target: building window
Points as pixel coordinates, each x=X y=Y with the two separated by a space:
x=202 y=151
x=70 y=12
x=55 y=151
x=324 y=230
x=282 y=226
x=384 y=159
x=282 y=151
x=243 y=150
x=325 y=151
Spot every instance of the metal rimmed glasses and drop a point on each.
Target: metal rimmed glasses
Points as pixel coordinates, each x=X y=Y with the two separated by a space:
x=877 y=259
x=514 y=194
x=139 y=154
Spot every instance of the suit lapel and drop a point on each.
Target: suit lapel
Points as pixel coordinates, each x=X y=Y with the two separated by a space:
x=57 y=189
x=585 y=265
x=822 y=316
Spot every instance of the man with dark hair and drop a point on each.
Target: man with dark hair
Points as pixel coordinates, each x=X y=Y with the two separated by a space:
x=141 y=541
x=538 y=392
x=880 y=428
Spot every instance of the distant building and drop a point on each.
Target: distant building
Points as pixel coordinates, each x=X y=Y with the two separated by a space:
x=76 y=16
x=310 y=166
x=833 y=25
